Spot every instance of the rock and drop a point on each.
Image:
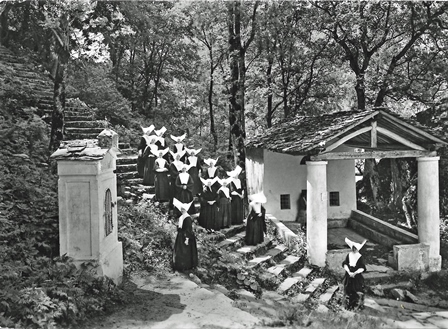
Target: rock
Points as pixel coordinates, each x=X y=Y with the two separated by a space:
x=398 y=294
x=322 y=309
x=377 y=290
x=411 y=296
x=195 y=279
x=425 y=275
x=221 y=289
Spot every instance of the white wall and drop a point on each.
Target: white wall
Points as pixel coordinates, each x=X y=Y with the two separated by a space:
x=283 y=174
x=341 y=178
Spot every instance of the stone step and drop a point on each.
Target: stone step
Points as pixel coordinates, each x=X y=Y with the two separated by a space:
x=231 y=241
x=295 y=278
x=253 y=251
x=133 y=182
x=75 y=117
x=127 y=175
x=121 y=168
x=271 y=254
x=309 y=290
x=124 y=146
x=232 y=230
x=224 y=233
x=328 y=294
x=72 y=136
x=33 y=78
x=85 y=124
x=79 y=130
x=128 y=159
x=140 y=189
x=288 y=262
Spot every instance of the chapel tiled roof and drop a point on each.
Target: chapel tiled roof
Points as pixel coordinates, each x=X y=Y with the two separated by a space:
x=309 y=134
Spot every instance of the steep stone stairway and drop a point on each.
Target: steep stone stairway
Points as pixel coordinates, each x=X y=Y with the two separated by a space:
x=280 y=272
x=284 y=277
x=80 y=124
x=20 y=74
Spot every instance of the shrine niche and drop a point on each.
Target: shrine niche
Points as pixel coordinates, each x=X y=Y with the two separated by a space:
x=87 y=188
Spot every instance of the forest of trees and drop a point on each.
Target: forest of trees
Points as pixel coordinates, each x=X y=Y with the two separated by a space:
x=224 y=70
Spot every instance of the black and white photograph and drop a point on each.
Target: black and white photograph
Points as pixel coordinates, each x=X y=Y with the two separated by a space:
x=223 y=164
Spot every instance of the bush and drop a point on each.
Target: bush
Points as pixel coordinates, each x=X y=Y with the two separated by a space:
x=147 y=236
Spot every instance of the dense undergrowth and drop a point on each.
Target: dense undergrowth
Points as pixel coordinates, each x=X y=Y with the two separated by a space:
x=39 y=287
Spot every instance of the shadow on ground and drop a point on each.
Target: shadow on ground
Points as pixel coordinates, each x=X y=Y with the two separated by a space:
x=142 y=307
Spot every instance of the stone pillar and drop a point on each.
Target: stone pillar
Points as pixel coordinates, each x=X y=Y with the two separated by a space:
x=428 y=209
x=316 y=228
x=87 y=188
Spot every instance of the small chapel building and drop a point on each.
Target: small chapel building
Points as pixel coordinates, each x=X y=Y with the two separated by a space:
x=317 y=154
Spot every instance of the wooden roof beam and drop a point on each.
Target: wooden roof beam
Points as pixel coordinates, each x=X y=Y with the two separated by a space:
x=373 y=135
x=346 y=138
x=372 y=155
x=399 y=139
x=415 y=129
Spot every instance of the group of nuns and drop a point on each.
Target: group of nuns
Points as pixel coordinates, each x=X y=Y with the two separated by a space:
x=178 y=176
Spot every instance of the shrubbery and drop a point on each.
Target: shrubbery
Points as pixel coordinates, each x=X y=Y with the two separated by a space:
x=147 y=235
x=39 y=289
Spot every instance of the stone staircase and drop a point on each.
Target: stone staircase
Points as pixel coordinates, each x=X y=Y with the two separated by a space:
x=20 y=74
x=286 y=278
x=283 y=275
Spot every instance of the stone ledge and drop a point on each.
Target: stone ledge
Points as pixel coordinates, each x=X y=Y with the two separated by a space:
x=287 y=236
x=384 y=227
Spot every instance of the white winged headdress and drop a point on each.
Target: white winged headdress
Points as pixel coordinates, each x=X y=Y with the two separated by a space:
x=211 y=161
x=258 y=197
x=160 y=151
x=193 y=151
x=148 y=130
x=235 y=172
x=160 y=132
x=178 y=139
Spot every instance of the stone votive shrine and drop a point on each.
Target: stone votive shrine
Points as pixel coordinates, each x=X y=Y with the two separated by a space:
x=87 y=189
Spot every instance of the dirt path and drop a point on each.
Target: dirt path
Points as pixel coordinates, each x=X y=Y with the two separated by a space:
x=176 y=302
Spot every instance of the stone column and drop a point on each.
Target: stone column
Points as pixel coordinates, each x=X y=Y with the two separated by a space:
x=428 y=209
x=316 y=228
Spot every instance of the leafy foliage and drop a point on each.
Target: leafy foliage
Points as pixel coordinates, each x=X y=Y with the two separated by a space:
x=147 y=235
x=40 y=289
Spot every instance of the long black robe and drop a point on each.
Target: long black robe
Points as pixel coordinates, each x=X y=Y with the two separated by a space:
x=185 y=257
x=353 y=285
x=209 y=212
x=194 y=173
x=224 y=209
x=148 y=171
x=185 y=195
x=161 y=182
x=140 y=160
x=255 y=227
x=237 y=205
x=174 y=172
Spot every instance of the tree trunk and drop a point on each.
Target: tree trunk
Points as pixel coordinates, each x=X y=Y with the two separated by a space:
x=210 y=106
x=371 y=179
x=4 y=23
x=360 y=92
x=57 y=117
x=236 y=98
x=61 y=49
